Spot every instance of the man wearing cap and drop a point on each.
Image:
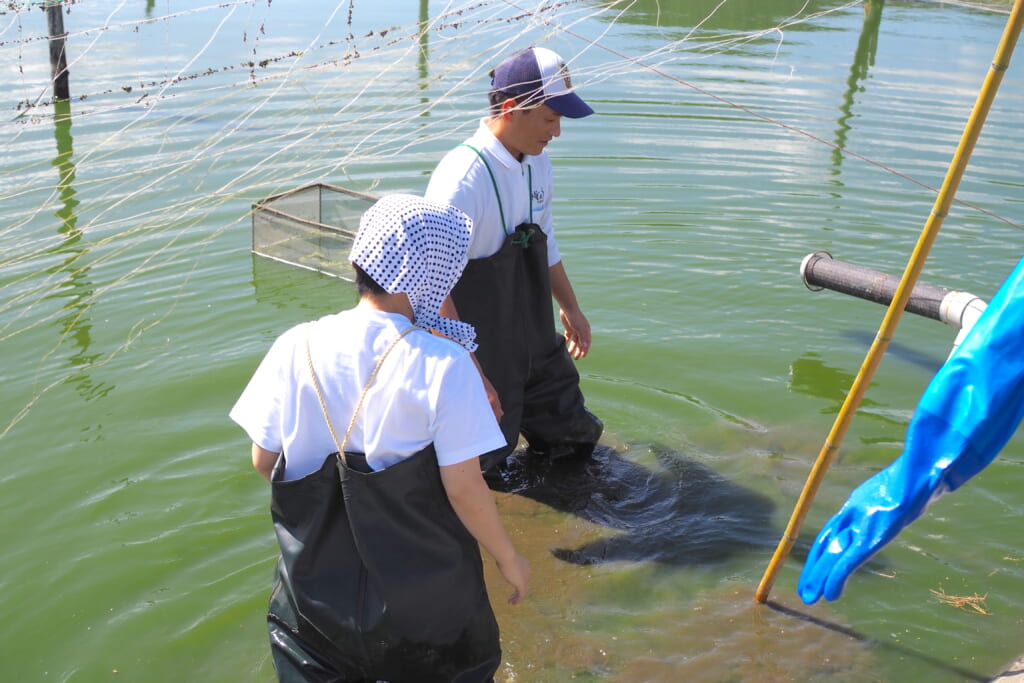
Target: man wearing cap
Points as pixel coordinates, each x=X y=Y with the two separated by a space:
x=502 y=178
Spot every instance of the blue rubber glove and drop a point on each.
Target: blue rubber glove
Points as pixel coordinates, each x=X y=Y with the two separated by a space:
x=969 y=411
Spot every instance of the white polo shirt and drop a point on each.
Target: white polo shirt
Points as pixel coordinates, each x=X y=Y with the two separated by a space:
x=526 y=188
x=428 y=390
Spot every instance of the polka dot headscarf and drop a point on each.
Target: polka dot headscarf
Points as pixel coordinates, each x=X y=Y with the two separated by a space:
x=411 y=245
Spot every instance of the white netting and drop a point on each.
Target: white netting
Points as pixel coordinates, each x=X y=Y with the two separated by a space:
x=179 y=115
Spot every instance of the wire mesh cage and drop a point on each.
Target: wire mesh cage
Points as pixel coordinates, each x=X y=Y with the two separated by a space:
x=311 y=227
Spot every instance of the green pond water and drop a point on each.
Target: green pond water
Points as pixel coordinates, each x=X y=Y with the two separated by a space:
x=136 y=536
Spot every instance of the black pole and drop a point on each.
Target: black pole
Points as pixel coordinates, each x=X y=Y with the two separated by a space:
x=58 y=54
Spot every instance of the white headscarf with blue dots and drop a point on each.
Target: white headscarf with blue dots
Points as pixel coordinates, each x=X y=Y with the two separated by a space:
x=412 y=245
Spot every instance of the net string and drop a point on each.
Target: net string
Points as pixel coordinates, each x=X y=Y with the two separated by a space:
x=332 y=135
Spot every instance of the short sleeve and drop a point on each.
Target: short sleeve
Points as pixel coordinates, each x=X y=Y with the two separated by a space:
x=258 y=409
x=465 y=426
x=546 y=219
x=455 y=182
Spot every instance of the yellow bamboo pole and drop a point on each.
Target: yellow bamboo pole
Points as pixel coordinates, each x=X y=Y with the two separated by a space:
x=902 y=295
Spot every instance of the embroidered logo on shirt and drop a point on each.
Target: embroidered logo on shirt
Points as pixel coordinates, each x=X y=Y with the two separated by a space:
x=538 y=196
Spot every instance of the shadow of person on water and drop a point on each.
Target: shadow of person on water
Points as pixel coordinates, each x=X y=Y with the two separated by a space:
x=685 y=514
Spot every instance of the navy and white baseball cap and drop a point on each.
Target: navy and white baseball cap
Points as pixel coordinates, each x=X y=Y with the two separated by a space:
x=540 y=75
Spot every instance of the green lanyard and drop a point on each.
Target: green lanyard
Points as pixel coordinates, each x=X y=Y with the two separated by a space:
x=494 y=182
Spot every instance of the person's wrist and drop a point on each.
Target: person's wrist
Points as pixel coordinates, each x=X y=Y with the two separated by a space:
x=506 y=558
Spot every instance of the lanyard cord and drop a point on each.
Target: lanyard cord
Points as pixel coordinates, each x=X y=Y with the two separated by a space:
x=529 y=171
x=494 y=182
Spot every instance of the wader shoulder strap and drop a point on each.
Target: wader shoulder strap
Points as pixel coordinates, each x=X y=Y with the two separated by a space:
x=494 y=182
x=359 y=405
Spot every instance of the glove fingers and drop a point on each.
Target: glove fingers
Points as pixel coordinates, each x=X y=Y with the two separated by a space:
x=816 y=566
x=827 y=555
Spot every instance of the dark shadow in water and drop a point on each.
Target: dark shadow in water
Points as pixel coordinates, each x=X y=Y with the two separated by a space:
x=810 y=375
x=685 y=514
x=903 y=352
x=422 y=63
x=77 y=288
x=863 y=60
x=887 y=644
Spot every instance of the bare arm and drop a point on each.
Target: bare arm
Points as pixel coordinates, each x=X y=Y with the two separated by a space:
x=577 y=327
x=448 y=310
x=474 y=504
x=263 y=460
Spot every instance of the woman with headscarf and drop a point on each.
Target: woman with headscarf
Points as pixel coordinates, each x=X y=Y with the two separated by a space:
x=380 y=576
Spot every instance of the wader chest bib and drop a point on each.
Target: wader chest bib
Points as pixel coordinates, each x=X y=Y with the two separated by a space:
x=377 y=578
x=507 y=298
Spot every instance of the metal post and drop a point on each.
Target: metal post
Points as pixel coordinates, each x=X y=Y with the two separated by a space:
x=58 y=53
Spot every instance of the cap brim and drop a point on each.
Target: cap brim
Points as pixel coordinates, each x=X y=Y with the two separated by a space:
x=570 y=105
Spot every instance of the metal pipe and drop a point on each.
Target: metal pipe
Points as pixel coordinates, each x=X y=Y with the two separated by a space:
x=954 y=308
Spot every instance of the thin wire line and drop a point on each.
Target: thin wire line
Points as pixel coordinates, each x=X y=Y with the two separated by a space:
x=764 y=117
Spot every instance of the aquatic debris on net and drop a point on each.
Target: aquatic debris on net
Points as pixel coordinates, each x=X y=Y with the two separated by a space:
x=974 y=603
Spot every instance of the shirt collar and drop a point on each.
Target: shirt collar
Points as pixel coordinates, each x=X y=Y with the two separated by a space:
x=485 y=139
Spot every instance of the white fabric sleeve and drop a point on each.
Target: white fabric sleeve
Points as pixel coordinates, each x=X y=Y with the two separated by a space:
x=546 y=218
x=455 y=182
x=465 y=426
x=463 y=181
x=258 y=409
x=544 y=179
x=554 y=255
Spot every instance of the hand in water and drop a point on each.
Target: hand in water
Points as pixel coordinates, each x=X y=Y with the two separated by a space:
x=577 y=333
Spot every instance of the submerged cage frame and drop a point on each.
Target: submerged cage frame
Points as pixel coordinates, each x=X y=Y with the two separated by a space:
x=310 y=227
